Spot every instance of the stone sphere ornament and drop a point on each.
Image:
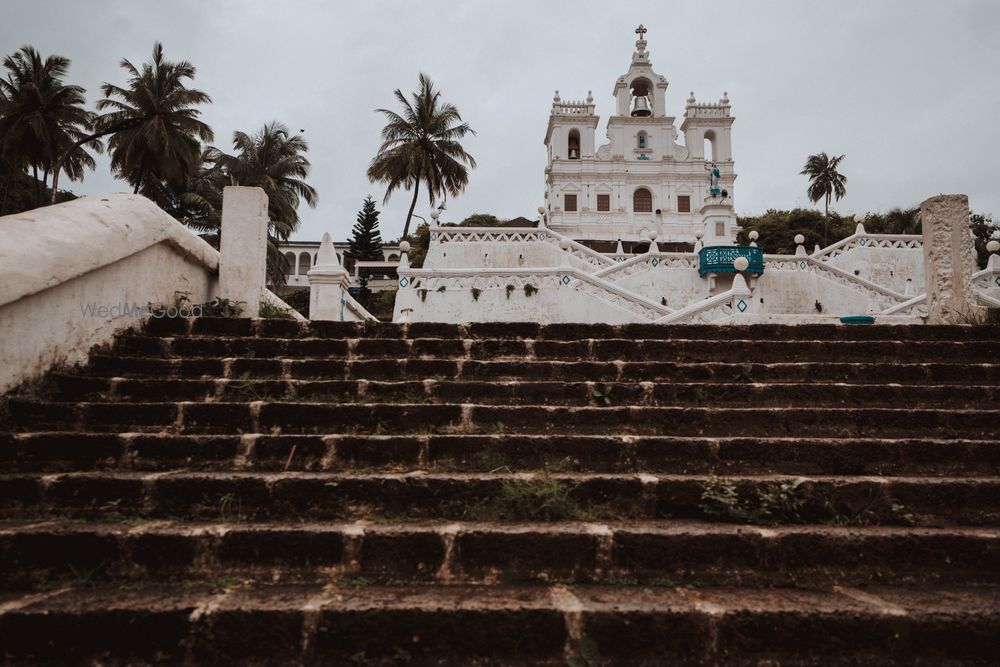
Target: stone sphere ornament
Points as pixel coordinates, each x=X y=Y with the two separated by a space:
x=699 y=235
x=993 y=246
x=799 y=239
x=564 y=244
x=754 y=235
x=741 y=263
x=541 y=210
x=435 y=215
x=404 y=246
x=652 y=235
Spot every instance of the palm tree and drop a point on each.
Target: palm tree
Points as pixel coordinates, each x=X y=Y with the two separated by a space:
x=824 y=182
x=41 y=117
x=421 y=144
x=155 y=129
x=273 y=160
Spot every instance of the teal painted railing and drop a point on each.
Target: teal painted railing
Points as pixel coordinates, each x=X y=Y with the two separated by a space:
x=719 y=259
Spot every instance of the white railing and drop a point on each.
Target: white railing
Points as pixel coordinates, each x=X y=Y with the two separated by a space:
x=582 y=256
x=648 y=262
x=861 y=239
x=883 y=297
x=570 y=277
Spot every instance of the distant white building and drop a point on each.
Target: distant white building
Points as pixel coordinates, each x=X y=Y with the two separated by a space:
x=301 y=256
x=641 y=180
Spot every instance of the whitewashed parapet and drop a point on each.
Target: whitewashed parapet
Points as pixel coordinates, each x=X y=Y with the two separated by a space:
x=730 y=307
x=882 y=297
x=865 y=240
x=648 y=262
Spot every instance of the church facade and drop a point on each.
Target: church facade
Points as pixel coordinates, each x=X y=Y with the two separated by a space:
x=642 y=179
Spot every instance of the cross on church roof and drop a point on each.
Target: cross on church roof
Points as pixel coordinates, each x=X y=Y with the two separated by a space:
x=641 y=31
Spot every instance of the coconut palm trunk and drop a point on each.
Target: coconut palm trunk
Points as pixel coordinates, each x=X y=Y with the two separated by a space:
x=413 y=205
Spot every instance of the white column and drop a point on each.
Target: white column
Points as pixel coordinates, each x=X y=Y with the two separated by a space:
x=949 y=260
x=328 y=286
x=243 y=250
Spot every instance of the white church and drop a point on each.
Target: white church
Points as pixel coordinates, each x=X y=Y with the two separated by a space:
x=641 y=229
x=641 y=179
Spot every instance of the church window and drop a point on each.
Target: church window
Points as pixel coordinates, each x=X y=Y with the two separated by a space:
x=570 y=203
x=642 y=201
x=290 y=260
x=683 y=203
x=603 y=202
x=642 y=140
x=305 y=263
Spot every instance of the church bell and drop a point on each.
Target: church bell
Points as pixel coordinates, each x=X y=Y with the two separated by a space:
x=640 y=106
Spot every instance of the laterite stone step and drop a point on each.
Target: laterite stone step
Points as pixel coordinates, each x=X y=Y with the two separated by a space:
x=509 y=625
x=242 y=368
x=531 y=392
x=62 y=451
x=650 y=553
x=191 y=417
x=503 y=496
x=676 y=350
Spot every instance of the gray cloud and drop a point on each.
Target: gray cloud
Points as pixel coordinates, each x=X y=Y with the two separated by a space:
x=907 y=89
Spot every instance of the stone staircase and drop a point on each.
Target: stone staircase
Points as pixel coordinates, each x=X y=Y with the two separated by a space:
x=227 y=491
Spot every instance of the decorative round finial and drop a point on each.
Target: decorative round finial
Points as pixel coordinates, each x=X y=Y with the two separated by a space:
x=404 y=246
x=993 y=246
x=652 y=235
x=564 y=244
x=691 y=99
x=858 y=217
x=435 y=215
x=741 y=263
x=541 y=210
x=725 y=97
x=754 y=235
x=799 y=239
x=590 y=97
x=699 y=234
x=556 y=98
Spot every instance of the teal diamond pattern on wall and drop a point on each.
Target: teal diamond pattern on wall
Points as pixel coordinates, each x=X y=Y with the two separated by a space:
x=742 y=306
x=404 y=281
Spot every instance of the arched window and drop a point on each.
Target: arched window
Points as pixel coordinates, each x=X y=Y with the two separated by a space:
x=290 y=260
x=305 y=263
x=573 y=145
x=642 y=140
x=710 y=146
x=642 y=201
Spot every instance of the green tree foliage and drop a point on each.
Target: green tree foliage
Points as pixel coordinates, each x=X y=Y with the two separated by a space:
x=984 y=228
x=40 y=117
x=480 y=220
x=825 y=182
x=366 y=240
x=421 y=145
x=155 y=128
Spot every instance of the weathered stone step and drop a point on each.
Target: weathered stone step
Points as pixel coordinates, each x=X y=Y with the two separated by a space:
x=676 y=350
x=519 y=625
x=65 y=451
x=834 y=370
x=378 y=418
x=69 y=387
x=502 y=497
x=271 y=328
x=652 y=553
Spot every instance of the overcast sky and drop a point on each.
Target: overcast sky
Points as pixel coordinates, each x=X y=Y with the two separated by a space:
x=908 y=90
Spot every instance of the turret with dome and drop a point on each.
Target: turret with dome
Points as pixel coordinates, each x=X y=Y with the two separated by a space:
x=641 y=179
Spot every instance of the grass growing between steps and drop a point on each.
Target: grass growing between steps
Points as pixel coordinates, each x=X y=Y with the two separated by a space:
x=796 y=502
x=543 y=499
